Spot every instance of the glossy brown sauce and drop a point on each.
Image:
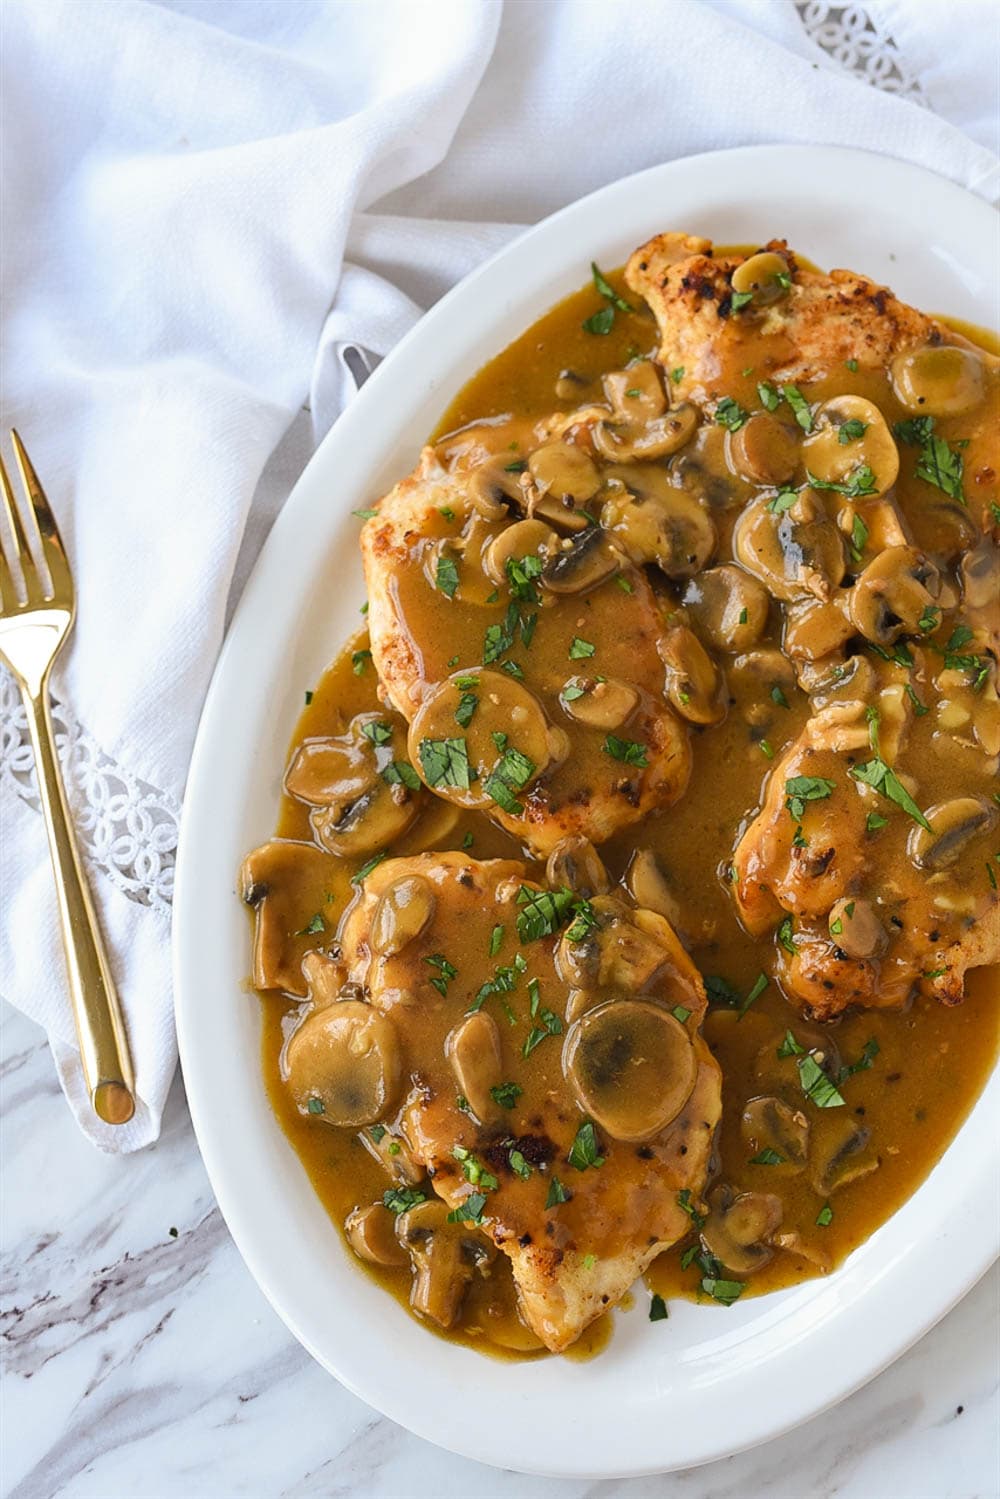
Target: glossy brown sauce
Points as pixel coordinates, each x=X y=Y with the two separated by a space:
x=931 y=1062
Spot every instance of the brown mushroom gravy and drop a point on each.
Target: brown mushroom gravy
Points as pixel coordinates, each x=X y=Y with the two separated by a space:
x=808 y=552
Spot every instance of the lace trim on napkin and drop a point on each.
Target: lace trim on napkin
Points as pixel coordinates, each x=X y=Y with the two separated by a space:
x=848 y=34
x=127 y=828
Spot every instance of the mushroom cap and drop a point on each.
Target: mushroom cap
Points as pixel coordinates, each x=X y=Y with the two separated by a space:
x=631 y=1066
x=939 y=380
x=343 y=1064
x=502 y=707
x=833 y=452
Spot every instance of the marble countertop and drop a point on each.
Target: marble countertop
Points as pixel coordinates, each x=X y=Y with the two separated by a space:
x=142 y=1362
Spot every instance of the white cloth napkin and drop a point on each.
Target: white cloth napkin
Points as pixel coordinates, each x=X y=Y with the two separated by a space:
x=204 y=203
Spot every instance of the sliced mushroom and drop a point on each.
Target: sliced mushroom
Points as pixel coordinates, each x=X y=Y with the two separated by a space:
x=494 y=489
x=404 y=909
x=757 y=674
x=523 y=538
x=693 y=685
x=838 y=1156
x=575 y=864
x=614 y=953
x=654 y=522
x=765 y=450
x=737 y=1230
x=565 y=471
x=981 y=580
x=853 y=680
x=504 y=708
x=561 y=512
x=473 y=1050
x=647 y=885
x=629 y=442
x=631 y=1066
x=793 y=552
x=855 y=928
x=954 y=825
x=582 y=564
x=637 y=393
x=703 y=470
x=371 y=1233
x=815 y=629
x=326 y=977
x=729 y=607
x=770 y=1124
x=793 y=1243
x=892 y=594
x=570 y=385
x=764 y=275
x=393 y=1153
x=343 y=1064
x=942 y=529
x=273 y=880
x=939 y=380
x=444 y=1257
x=601 y=705
x=360 y=801
x=850 y=433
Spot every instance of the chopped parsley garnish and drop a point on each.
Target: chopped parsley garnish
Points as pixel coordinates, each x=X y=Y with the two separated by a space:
x=869 y=1052
x=860 y=482
x=852 y=365
x=790 y=1047
x=364 y=514
x=580 y=650
x=521 y=575
x=724 y=1291
x=802 y=789
x=851 y=431
x=929 y=619
x=378 y=1133
x=316 y=1106
x=874 y=821
x=506 y=1094
x=800 y=406
x=767 y=1157
x=783 y=500
x=500 y=638
x=543 y=912
x=473 y=1169
x=469 y=1211
x=446 y=971
x=687 y=1206
x=915 y=430
x=624 y=584
x=512 y=772
x=546 y=1023
x=519 y=1165
x=938 y=463
x=759 y=985
x=600 y=322
x=605 y=288
x=740 y=299
x=503 y=981
x=625 y=750
x=309 y=697
x=366 y=868
x=719 y=991
x=859 y=538
x=557 y=1193
x=400 y=773
x=317 y=924
x=447 y=512
x=401 y=1199
x=743 y=616
x=513 y=670
x=681 y=1013
x=730 y=414
x=572 y=691
x=770 y=398
x=378 y=733
x=583 y=923
x=883 y=779
x=445 y=763
x=677 y=375
x=467 y=705
x=468 y=839
x=816 y=1085
x=785 y=936
x=825 y=1216
x=584 y=1151
x=496 y=939
x=446 y=577
x=766 y=748
x=657 y=1308
x=359 y=660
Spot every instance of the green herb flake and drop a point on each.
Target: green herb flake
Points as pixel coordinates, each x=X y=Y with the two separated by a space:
x=883 y=779
x=770 y=398
x=740 y=299
x=506 y=1094
x=720 y=992
x=364 y=514
x=557 y=1193
x=543 y=912
x=585 y=1150
x=626 y=750
x=467 y=705
x=777 y=696
x=800 y=406
x=874 y=821
x=401 y=1199
x=767 y=1157
x=469 y=1211
x=790 y=1047
x=309 y=697
x=681 y=1013
x=446 y=971
x=316 y=1106
x=522 y=574
x=785 y=936
x=759 y=985
x=359 y=661
x=723 y=1291
x=859 y=483
x=686 y=1205
x=859 y=538
x=317 y=924
x=766 y=748
x=362 y=874
x=730 y=414
x=445 y=762
x=869 y=1052
x=782 y=501
x=677 y=375
x=852 y=365
x=378 y=1133
x=657 y=1308
x=496 y=939
x=378 y=732
x=816 y=1086
x=400 y=773
x=941 y=466
x=446 y=577
x=580 y=650
x=600 y=322
x=825 y=1216
x=851 y=431
x=519 y=1165
x=624 y=583
x=802 y=789
x=605 y=288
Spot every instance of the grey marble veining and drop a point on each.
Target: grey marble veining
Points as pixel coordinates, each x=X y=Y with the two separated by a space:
x=143 y=1365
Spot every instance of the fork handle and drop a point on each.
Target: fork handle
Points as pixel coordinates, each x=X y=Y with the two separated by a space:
x=100 y=1028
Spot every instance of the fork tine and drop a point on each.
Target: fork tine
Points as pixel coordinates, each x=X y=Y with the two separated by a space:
x=52 y=546
x=9 y=597
x=29 y=570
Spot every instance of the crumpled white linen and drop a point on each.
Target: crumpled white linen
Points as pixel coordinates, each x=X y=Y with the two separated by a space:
x=206 y=201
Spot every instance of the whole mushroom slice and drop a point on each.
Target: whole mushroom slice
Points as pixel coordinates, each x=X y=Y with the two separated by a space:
x=494 y=489
x=343 y=1064
x=626 y=441
x=631 y=1066
x=648 y=887
x=737 y=1230
x=392 y=1151
x=371 y=1233
x=765 y=450
x=444 y=1256
x=404 y=909
x=839 y=1156
x=652 y=521
x=850 y=433
x=583 y=563
x=855 y=928
x=453 y=742
x=815 y=629
x=275 y=879
x=473 y=1051
x=615 y=952
x=575 y=864
x=637 y=393
x=565 y=472
x=954 y=825
x=939 y=380
x=326 y=977
x=729 y=607
x=794 y=552
x=764 y=276
x=515 y=543
x=892 y=594
x=769 y=1124
x=358 y=784
x=694 y=686
x=704 y=470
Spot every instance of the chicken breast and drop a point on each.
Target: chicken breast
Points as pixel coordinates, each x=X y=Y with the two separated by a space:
x=870 y=894
x=556 y=1087
x=824 y=320
x=537 y=696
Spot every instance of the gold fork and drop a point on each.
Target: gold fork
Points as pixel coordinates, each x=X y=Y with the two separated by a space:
x=32 y=632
